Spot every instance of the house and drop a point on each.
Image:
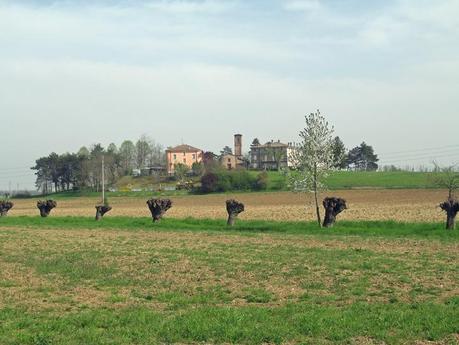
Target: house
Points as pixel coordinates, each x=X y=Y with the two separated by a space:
x=271 y=156
x=184 y=154
x=234 y=161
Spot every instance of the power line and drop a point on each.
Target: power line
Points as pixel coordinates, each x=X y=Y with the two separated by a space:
x=17 y=168
x=421 y=150
x=418 y=158
x=420 y=154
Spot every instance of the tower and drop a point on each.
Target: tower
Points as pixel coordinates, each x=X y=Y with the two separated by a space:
x=238 y=145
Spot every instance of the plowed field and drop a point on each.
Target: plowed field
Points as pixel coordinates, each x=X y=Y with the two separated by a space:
x=400 y=205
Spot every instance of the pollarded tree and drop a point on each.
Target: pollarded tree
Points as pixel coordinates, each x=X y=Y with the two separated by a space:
x=448 y=178
x=313 y=158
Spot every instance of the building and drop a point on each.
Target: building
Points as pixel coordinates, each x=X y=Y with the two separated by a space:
x=184 y=154
x=236 y=160
x=270 y=156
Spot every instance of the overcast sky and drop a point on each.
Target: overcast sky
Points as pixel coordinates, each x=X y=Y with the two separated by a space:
x=75 y=73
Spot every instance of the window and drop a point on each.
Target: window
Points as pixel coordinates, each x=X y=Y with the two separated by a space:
x=194 y=155
x=184 y=154
x=175 y=157
x=229 y=160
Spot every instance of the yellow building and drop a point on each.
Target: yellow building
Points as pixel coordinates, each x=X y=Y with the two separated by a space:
x=234 y=161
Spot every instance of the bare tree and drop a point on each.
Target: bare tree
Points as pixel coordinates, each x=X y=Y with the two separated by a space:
x=127 y=156
x=45 y=207
x=448 y=178
x=158 y=207
x=233 y=207
x=5 y=206
x=313 y=158
x=101 y=210
x=333 y=206
x=143 y=150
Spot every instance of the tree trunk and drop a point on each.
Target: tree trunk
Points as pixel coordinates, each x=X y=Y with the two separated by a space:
x=158 y=207
x=45 y=207
x=233 y=207
x=451 y=207
x=316 y=198
x=101 y=210
x=319 y=221
x=333 y=206
x=5 y=206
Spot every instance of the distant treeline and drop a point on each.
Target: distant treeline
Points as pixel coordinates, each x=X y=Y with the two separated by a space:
x=83 y=170
x=361 y=158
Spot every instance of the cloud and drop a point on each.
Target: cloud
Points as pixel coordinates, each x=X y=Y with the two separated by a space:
x=302 y=5
x=412 y=22
x=135 y=66
x=187 y=7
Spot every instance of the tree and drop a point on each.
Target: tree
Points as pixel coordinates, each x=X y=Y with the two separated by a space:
x=127 y=156
x=181 y=170
x=313 y=157
x=362 y=158
x=233 y=207
x=112 y=149
x=277 y=154
x=255 y=142
x=158 y=207
x=143 y=150
x=197 y=168
x=83 y=152
x=448 y=178
x=339 y=153
x=210 y=161
x=226 y=151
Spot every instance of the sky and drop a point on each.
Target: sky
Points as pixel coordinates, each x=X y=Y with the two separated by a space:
x=76 y=73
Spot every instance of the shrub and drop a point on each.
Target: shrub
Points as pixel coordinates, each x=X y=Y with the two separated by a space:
x=241 y=180
x=224 y=181
x=261 y=182
x=209 y=183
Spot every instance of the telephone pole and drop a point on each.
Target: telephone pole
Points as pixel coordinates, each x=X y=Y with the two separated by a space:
x=103 y=180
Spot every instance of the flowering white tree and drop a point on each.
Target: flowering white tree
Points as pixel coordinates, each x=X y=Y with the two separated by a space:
x=313 y=158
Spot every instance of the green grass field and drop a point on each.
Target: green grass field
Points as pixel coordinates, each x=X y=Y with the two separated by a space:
x=364 y=179
x=128 y=281
x=337 y=180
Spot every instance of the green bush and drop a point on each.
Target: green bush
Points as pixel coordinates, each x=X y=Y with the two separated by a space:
x=209 y=183
x=261 y=182
x=236 y=180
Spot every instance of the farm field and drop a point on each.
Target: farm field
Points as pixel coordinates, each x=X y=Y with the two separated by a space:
x=337 y=180
x=410 y=205
x=124 y=281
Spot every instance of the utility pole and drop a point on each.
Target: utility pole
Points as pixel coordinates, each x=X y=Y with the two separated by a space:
x=103 y=180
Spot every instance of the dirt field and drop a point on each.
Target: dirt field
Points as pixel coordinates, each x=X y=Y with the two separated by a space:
x=401 y=205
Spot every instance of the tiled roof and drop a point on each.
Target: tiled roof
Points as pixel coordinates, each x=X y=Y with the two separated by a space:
x=183 y=148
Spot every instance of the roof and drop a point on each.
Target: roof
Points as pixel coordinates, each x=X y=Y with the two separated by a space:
x=183 y=148
x=271 y=144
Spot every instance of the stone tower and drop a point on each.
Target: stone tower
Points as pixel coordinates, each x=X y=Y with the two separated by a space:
x=238 y=145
